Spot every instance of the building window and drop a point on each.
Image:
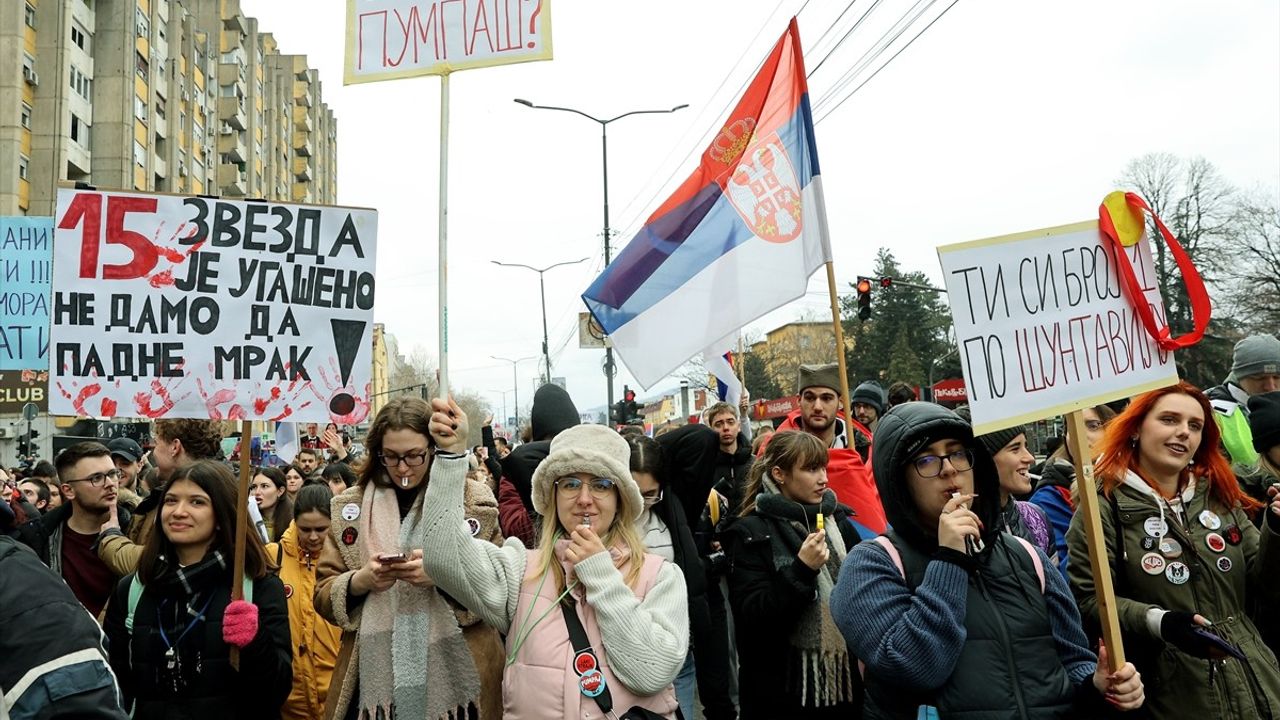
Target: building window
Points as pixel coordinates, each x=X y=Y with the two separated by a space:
x=182 y=121
x=160 y=108
x=141 y=63
x=79 y=36
x=79 y=131
x=139 y=108
x=81 y=83
x=139 y=154
x=143 y=24
x=198 y=132
x=24 y=167
x=26 y=116
x=31 y=17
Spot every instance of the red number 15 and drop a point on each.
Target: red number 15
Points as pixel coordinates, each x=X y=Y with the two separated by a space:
x=86 y=208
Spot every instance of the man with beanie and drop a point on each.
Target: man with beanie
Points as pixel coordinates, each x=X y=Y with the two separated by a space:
x=847 y=471
x=1255 y=369
x=868 y=404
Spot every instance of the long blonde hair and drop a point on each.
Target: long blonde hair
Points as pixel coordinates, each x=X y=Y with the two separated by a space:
x=621 y=533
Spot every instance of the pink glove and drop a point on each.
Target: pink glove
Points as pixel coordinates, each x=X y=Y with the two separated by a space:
x=240 y=623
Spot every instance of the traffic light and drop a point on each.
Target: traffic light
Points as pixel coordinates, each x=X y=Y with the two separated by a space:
x=864 y=298
x=886 y=282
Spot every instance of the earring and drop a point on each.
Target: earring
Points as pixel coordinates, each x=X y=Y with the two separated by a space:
x=1191 y=462
x=1133 y=441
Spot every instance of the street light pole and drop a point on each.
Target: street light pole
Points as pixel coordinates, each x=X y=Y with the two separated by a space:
x=604 y=150
x=515 y=384
x=542 y=291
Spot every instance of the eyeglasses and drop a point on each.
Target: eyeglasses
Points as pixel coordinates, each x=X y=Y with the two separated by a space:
x=571 y=486
x=930 y=466
x=98 y=479
x=651 y=498
x=412 y=459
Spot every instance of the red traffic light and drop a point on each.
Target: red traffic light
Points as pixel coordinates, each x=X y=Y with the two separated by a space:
x=864 y=286
x=886 y=282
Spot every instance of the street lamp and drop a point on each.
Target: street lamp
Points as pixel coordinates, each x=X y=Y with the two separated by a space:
x=542 y=290
x=515 y=385
x=504 y=394
x=604 y=148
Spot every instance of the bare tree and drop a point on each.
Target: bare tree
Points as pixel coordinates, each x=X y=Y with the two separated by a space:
x=1254 y=273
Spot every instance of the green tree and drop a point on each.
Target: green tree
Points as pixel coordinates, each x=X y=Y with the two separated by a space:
x=907 y=334
x=759 y=382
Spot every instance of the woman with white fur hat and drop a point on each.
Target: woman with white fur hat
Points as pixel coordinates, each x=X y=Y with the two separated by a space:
x=628 y=609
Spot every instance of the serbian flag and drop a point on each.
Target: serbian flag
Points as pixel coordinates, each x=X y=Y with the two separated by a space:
x=719 y=362
x=738 y=239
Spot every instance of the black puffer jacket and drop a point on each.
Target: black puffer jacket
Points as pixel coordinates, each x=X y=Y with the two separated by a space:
x=518 y=467
x=691 y=453
x=730 y=477
x=215 y=690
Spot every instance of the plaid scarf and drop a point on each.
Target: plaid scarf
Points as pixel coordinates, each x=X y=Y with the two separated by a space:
x=192 y=582
x=819 y=671
x=414 y=661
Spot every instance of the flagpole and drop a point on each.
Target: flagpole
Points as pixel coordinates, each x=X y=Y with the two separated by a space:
x=844 y=372
x=443 y=220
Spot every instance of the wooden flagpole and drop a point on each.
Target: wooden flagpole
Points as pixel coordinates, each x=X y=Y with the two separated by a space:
x=844 y=372
x=242 y=525
x=1108 y=614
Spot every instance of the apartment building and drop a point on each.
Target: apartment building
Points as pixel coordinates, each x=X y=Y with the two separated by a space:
x=183 y=96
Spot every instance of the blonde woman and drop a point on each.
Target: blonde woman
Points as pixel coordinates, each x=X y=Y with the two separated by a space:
x=629 y=607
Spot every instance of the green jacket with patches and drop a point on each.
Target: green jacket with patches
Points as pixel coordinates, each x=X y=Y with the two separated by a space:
x=1177 y=684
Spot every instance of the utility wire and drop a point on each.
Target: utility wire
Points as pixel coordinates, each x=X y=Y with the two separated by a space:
x=874 y=52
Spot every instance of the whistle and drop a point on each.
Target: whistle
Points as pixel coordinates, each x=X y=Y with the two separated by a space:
x=821 y=521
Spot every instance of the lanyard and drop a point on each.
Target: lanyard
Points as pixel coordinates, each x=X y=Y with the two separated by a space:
x=160 y=624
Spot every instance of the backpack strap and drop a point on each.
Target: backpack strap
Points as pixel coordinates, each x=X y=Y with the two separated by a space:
x=1035 y=558
x=135 y=594
x=894 y=555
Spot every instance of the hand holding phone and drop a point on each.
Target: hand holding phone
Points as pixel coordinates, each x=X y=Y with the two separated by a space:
x=392 y=558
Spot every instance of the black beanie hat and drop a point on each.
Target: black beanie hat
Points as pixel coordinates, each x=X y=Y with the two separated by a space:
x=1264 y=420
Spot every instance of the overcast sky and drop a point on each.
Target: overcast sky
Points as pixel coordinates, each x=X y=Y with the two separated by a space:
x=1004 y=116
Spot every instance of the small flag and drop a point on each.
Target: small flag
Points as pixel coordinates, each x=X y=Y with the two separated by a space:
x=286 y=441
x=719 y=362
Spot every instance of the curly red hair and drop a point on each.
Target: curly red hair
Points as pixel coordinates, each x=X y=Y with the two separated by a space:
x=1118 y=456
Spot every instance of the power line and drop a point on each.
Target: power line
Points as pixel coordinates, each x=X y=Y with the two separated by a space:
x=856 y=25
x=874 y=52
x=886 y=64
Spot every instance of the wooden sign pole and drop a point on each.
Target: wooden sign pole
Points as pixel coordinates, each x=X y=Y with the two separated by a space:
x=1108 y=615
x=242 y=526
x=844 y=371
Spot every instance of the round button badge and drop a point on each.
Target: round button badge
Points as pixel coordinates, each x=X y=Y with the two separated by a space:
x=350 y=512
x=1149 y=543
x=1155 y=527
x=1233 y=535
x=1215 y=542
x=591 y=683
x=1210 y=519
x=1177 y=573
x=1170 y=548
x=1152 y=564
x=1224 y=564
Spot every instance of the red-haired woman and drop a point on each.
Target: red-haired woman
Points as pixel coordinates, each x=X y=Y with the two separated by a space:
x=1187 y=561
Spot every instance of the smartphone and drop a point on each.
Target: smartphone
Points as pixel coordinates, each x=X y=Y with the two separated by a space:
x=392 y=558
x=1216 y=642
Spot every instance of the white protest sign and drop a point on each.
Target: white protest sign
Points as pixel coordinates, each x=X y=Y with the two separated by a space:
x=1043 y=327
x=190 y=307
x=390 y=39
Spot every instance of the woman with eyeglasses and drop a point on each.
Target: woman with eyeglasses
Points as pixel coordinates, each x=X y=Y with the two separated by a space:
x=408 y=650
x=666 y=533
x=785 y=552
x=946 y=609
x=594 y=623
x=1187 y=561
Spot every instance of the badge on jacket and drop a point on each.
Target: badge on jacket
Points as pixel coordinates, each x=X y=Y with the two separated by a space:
x=349 y=536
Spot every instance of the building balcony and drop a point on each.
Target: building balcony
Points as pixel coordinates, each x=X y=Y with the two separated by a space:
x=233 y=19
x=231 y=180
x=302 y=94
x=231 y=147
x=229 y=74
x=302 y=169
x=302 y=119
x=300 y=192
x=302 y=144
x=231 y=112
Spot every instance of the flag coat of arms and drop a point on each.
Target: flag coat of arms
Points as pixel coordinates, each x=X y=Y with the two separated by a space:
x=738 y=239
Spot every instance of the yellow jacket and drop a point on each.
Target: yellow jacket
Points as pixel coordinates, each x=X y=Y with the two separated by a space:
x=315 y=641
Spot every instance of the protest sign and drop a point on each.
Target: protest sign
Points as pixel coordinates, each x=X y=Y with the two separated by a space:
x=171 y=306
x=390 y=39
x=1043 y=326
x=26 y=246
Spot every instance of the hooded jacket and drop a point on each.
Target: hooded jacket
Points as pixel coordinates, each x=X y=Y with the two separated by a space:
x=553 y=412
x=518 y=467
x=976 y=636
x=691 y=452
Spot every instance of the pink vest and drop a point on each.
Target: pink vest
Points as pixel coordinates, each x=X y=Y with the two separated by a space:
x=541 y=683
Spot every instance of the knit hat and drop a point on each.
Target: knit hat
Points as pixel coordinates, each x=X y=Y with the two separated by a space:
x=553 y=411
x=1264 y=420
x=593 y=449
x=1255 y=355
x=994 y=442
x=827 y=376
x=869 y=393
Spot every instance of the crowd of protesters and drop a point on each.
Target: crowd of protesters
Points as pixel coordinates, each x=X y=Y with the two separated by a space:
x=883 y=562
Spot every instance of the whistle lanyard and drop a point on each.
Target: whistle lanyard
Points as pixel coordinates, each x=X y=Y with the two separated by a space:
x=164 y=637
